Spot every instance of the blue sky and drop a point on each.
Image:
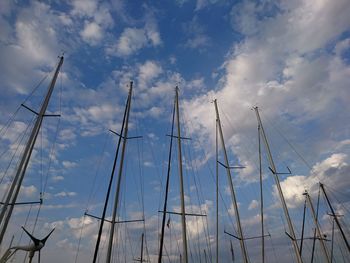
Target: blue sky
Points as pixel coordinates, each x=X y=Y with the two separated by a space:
x=290 y=58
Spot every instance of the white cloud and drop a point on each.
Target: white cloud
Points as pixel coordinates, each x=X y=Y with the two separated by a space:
x=84 y=7
x=67 y=135
x=133 y=39
x=38 y=41
x=253 y=205
x=103 y=16
x=97 y=20
x=342 y=46
x=66 y=20
x=152 y=32
x=155 y=112
x=279 y=66
x=197 y=41
x=147 y=72
x=57 y=178
x=28 y=191
x=330 y=171
x=66 y=194
x=31 y=43
x=196 y=35
x=89 y=116
x=25 y=191
x=14 y=131
x=92 y=33
x=69 y=164
x=204 y=3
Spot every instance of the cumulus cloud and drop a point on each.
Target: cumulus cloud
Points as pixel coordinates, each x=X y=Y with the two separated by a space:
x=66 y=194
x=330 y=171
x=97 y=19
x=279 y=67
x=253 y=205
x=196 y=35
x=147 y=72
x=84 y=8
x=69 y=164
x=92 y=33
x=67 y=134
x=131 y=41
x=89 y=116
x=31 y=43
x=57 y=178
x=25 y=191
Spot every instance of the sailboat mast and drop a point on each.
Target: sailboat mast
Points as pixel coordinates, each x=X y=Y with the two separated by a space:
x=335 y=218
x=15 y=187
x=217 y=192
x=166 y=188
x=303 y=229
x=332 y=246
x=109 y=187
x=324 y=249
x=182 y=195
x=261 y=200
x=141 y=258
x=116 y=200
x=284 y=205
x=314 y=236
x=233 y=195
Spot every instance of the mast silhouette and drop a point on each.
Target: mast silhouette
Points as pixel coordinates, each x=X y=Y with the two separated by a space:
x=217 y=192
x=120 y=173
x=284 y=205
x=303 y=229
x=317 y=226
x=16 y=184
x=182 y=195
x=261 y=200
x=109 y=186
x=335 y=218
x=233 y=195
x=166 y=189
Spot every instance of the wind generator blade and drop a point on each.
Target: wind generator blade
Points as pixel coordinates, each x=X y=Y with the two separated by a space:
x=35 y=240
x=45 y=238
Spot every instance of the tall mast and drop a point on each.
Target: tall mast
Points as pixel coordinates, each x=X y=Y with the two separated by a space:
x=15 y=187
x=314 y=236
x=116 y=200
x=323 y=245
x=261 y=200
x=233 y=195
x=182 y=196
x=302 y=229
x=166 y=189
x=141 y=258
x=217 y=192
x=335 y=218
x=109 y=187
x=332 y=246
x=284 y=205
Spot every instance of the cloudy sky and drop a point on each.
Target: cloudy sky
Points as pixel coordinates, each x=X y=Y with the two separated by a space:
x=291 y=58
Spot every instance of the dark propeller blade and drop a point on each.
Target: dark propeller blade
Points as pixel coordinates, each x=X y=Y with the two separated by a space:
x=35 y=240
x=45 y=238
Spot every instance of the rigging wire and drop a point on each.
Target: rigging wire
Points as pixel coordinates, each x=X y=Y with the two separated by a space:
x=92 y=193
x=198 y=189
x=142 y=183
x=79 y=240
x=19 y=145
x=12 y=117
